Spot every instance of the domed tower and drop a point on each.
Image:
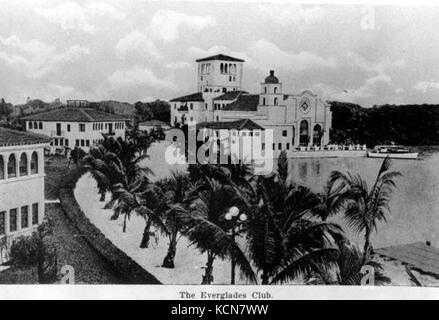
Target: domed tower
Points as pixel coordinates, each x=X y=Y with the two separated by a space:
x=271 y=91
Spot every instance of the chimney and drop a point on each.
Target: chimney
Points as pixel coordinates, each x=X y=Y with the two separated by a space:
x=271 y=73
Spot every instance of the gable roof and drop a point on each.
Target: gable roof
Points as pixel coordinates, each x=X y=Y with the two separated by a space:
x=75 y=114
x=198 y=96
x=237 y=125
x=220 y=56
x=245 y=102
x=9 y=137
x=230 y=95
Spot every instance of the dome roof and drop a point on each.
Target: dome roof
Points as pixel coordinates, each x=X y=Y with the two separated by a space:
x=271 y=78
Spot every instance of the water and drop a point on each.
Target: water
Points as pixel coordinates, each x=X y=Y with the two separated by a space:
x=414 y=205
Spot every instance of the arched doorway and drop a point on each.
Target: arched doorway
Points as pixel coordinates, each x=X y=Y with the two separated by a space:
x=304 y=133
x=317 y=135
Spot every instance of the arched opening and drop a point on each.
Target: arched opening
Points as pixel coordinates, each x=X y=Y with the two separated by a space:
x=34 y=163
x=265 y=89
x=222 y=68
x=31 y=125
x=263 y=101
x=317 y=135
x=275 y=89
x=12 y=166
x=304 y=133
x=23 y=164
x=226 y=68
x=275 y=101
x=2 y=168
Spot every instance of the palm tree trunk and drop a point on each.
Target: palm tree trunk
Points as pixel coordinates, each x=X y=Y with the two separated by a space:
x=124 y=229
x=366 y=244
x=168 y=262
x=208 y=275
x=264 y=278
x=145 y=238
x=232 y=281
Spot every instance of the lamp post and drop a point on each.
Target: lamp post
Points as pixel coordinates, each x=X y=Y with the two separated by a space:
x=237 y=220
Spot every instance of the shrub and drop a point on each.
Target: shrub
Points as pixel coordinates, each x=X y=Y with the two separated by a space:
x=24 y=251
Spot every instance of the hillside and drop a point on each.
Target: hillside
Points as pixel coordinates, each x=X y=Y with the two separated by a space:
x=402 y=124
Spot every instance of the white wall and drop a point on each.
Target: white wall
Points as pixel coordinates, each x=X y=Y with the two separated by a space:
x=22 y=190
x=49 y=129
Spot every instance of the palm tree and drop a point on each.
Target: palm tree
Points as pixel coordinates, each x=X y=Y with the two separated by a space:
x=348 y=269
x=329 y=201
x=286 y=237
x=175 y=189
x=365 y=207
x=209 y=231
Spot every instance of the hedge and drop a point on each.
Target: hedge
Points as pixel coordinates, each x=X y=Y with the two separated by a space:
x=123 y=265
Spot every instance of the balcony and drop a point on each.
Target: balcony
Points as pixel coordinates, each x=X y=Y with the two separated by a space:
x=57 y=133
x=183 y=108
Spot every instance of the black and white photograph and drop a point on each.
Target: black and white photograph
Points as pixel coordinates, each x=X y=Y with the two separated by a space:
x=243 y=144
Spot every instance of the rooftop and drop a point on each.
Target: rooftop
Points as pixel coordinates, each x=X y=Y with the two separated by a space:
x=9 y=137
x=154 y=123
x=198 y=96
x=245 y=102
x=237 y=125
x=221 y=57
x=76 y=115
x=230 y=95
x=271 y=78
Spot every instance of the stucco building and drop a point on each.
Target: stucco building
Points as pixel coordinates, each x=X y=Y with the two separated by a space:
x=21 y=185
x=297 y=120
x=76 y=126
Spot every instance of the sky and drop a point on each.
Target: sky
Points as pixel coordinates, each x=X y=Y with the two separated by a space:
x=144 y=50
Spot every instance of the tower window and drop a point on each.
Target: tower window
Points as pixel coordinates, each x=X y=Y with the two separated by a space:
x=275 y=101
x=263 y=101
x=265 y=89
x=284 y=133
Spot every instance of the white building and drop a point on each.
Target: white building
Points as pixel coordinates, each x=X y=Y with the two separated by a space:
x=153 y=124
x=76 y=126
x=302 y=119
x=21 y=185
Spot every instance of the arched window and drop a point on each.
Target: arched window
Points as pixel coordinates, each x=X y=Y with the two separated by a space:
x=23 y=164
x=12 y=166
x=31 y=125
x=275 y=89
x=226 y=68
x=275 y=101
x=265 y=89
x=222 y=68
x=317 y=135
x=2 y=168
x=40 y=125
x=263 y=101
x=35 y=125
x=34 y=163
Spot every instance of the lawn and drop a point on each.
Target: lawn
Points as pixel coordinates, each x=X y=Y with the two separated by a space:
x=56 y=167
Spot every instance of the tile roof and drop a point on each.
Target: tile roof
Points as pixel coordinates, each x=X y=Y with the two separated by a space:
x=9 y=137
x=245 y=102
x=237 y=124
x=76 y=114
x=230 y=95
x=154 y=123
x=198 y=96
x=222 y=57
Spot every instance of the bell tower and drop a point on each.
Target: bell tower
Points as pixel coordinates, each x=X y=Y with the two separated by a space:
x=219 y=74
x=271 y=91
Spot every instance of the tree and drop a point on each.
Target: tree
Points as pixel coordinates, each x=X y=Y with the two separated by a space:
x=208 y=230
x=155 y=110
x=364 y=207
x=176 y=189
x=348 y=269
x=286 y=238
